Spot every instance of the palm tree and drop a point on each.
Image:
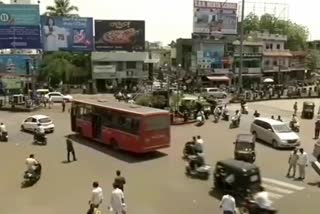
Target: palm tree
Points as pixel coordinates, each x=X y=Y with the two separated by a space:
x=61 y=8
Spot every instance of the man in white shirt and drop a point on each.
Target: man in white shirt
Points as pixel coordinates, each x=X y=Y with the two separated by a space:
x=228 y=204
x=117 y=204
x=2 y=128
x=31 y=163
x=96 y=197
x=262 y=199
x=199 y=144
x=302 y=163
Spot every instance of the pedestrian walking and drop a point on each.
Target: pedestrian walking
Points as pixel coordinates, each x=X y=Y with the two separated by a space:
x=120 y=180
x=96 y=198
x=228 y=204
x=50 y=102
x=317 y=129
x=295 y=107
x=63 y=105
x=293 y=160
x=117 y=204
x=302 y=163
x=70 y=150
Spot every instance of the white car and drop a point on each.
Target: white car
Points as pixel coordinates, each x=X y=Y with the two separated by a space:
x=31 y=123
x=58 y=97
x=274 y=132
x=213 y=93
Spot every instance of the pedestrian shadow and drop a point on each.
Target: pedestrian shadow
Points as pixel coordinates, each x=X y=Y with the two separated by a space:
x=121 y=155
x=315 y=183
x=216 y=193
x=67 y=162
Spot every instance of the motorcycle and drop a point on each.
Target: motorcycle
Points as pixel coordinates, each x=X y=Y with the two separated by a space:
x=31 y=178
x=295 y=127
x=244 y=109
x=216 y=118
x=4 y=137
x=188 y=150
x=250 y=206
x=40 y=139
x=225 y=116
x=202 y=172
x=200 y=120
x=234 y=123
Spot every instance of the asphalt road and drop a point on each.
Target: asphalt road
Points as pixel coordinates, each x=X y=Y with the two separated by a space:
x=156 y=183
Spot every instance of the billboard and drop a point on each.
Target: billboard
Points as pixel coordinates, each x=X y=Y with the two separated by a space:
x=67 y=33
x=17 y=14
x=214 y=18
x=11 y=82
x=20 y=37
x=13 y=64
x=211 y=56
x=119 y=35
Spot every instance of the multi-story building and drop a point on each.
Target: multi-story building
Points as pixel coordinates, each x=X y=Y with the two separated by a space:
x=183 y=51
x=252 y=58
x=276 y=59
x=298 y=66
x=118 y=68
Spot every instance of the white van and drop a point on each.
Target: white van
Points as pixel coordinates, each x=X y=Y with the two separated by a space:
x=274 y=132
x=213 y=93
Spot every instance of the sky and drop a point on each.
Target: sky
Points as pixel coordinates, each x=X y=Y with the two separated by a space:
x=167 y=20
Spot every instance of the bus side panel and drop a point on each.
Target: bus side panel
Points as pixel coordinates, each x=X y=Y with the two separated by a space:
x=84 y=127
x=125 y=141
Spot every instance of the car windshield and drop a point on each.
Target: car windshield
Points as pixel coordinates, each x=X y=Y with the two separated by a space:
x=244 y=146
x=44 y=120
x=282 y=128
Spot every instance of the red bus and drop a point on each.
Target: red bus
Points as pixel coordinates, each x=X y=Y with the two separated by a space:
x=128 y=127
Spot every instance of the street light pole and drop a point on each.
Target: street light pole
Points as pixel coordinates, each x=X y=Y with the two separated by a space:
x=241 y=47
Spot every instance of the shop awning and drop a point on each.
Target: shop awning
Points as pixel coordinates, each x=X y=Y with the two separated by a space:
x=218 y=78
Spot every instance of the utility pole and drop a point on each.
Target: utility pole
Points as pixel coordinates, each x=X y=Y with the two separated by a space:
x=241 y=47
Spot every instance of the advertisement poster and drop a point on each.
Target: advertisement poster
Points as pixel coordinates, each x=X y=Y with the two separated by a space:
x=215 y=18
x=67 y=33
x=211 y=56
x=15 y=14
x=20 y=37
x=13 y=64
x=119 y=35
x=11 y=82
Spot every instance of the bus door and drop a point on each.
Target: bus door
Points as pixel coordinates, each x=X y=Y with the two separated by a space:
x=96 y=126
x=73 y=116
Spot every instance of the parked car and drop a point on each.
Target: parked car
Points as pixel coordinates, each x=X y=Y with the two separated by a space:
x=213 y=93
x=58 y=97
x=31 y=123
x=274 y=132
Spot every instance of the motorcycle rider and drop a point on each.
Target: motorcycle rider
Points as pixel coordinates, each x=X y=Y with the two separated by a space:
x=196 y=162
x=262 y=200
x=216 y=113
x=294 y=121
x=31 y=163
x=40 y=132
x=225 y=111
x=2 y=129
x=256 y=114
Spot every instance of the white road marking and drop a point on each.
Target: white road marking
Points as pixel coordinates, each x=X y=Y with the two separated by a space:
x=277 y=189
x=274 y=195
x=282 y=184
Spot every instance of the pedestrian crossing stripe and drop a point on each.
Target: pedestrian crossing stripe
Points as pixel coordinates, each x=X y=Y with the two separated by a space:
x=278 y=189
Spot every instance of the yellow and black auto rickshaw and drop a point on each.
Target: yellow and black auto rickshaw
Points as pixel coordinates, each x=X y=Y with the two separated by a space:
x=308 y=110
x=244 y=148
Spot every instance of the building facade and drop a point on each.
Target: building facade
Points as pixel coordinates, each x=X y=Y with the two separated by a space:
x=115 y=69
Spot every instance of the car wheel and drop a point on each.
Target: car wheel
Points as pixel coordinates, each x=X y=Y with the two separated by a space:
x=255 y=136
x=318 y=159
x=274 y=144
x=22 y=128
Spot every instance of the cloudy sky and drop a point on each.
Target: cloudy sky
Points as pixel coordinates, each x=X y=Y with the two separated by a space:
x=167 y=20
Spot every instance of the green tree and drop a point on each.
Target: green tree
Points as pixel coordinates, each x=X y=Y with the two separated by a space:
x=62 y=8
x=297 y=34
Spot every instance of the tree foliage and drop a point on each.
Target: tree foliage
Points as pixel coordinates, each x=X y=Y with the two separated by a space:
x=62 y=8
x=61 y=66
x=297 y=34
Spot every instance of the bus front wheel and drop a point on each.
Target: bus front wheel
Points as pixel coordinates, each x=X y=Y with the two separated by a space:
x=114 y=145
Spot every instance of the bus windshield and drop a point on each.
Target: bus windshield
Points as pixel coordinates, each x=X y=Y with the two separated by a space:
x=159 y=122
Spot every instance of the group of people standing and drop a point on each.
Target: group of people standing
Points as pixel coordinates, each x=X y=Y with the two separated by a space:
x=298 y=157
x=117 y=203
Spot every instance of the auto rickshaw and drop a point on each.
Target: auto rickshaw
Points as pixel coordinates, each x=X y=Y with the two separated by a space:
x=239 y=178
x=308 y=110
x=244 y=148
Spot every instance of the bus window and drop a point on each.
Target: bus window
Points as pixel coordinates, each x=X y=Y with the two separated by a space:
x=157 y=123
x=130 y=125
x=84 y=112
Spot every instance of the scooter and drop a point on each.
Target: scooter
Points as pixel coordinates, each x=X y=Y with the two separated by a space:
x=234 y=123
x=216 y=118
x=200 y=121
x=31 y=178
x=250 y=207
x=202 y=172
x=4 y=137
x=225 y=116
x=40 y=139
x=295 y=127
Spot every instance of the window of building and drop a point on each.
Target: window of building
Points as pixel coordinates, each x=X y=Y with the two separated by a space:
x=278 y=46
x=267 y=46
x=271 y=46
x=131 y=65
x=119 y=66
x=275 y=62
x=267 y=62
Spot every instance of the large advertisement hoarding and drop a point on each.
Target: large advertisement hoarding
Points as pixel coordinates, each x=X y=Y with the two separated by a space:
x=67 y=33
x=20 y=37
x=214 y=18
x=13 y=64
x=119 y=35
x=211 y=56
x=16 y=14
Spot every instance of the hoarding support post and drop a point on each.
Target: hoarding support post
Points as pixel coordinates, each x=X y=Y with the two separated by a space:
x=241 y=47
